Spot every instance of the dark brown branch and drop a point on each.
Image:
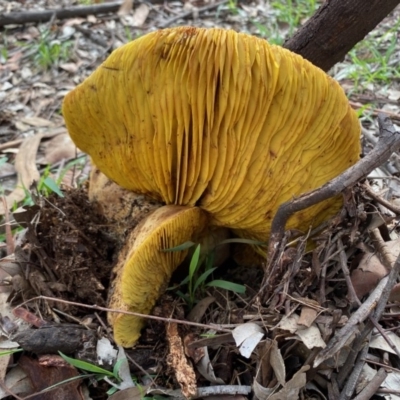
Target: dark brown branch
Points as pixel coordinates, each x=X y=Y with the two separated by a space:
x=336 y=27
x=389 y=142
x=24 y=17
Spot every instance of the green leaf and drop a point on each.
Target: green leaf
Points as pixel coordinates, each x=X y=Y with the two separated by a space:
x=52 y=185
x=7 y=352
x=86 y=366
x=203 y=277
x=181 y=247
x=233 y=287
x=245 y=241
x=194 y=262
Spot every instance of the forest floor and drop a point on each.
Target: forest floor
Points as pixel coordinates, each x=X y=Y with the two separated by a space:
x=39 y=64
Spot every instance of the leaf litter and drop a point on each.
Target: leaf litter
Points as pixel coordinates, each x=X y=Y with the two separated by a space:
x=67 y=249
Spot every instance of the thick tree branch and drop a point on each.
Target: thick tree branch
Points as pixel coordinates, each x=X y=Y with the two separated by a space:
x=336 y=27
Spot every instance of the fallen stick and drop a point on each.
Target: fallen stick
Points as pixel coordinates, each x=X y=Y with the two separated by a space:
x=23 y=17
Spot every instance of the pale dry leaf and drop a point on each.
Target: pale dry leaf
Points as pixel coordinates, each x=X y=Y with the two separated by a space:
x=289 y=323
x=198 y=311
x=37 y=122
x=277 y=363
x=247 y=336
x=17 y=382
x=292 y=388
x=70 y=67
x=307 y=316
x=311 y=337
x=140 y=15
x=395 y=294
x=124 y=372
x=25 y=164
x=367 y=275
x=206 y=369
x=378 y=342
x=125 y=7
x=57 y=149
x=261 y=392
x=392 y=382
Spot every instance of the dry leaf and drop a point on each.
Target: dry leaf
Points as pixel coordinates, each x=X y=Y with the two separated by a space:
x=307 y=316
x=379 y=342
x=36 y=121
x=247 y=336
x=206 y=369
x=25 y=164
x=292 y=388
x=140 y=15
x=200 y=308
x=277 y=363
x=126 y=7
x=369 y=272
x=311 y=337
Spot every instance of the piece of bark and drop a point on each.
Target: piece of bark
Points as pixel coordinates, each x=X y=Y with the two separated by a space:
x=336 y=27
x=52 y=339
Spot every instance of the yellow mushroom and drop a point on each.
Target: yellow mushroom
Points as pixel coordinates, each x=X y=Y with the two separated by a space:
x=219 y=122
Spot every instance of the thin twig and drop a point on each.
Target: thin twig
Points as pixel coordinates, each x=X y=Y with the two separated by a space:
x=153 y=317
x=380 y=199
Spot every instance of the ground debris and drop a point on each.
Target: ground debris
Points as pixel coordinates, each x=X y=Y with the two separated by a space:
x=70 y=251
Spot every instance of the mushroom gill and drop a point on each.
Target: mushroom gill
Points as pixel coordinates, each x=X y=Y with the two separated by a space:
x=219 y=122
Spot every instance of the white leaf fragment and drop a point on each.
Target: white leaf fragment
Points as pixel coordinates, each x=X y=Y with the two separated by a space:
x=247 y=336
x=106 y=354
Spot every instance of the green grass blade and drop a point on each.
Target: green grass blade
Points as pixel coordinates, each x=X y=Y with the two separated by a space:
x=52 y=185
x=181 y=247
x=85 y=366
x=203 y=277
x=11 y=351
x=194 y=262
x=233 y=287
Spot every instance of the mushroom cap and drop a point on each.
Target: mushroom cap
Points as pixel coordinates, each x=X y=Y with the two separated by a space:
x=219 y=122
x=143 y=269
x=217 y=119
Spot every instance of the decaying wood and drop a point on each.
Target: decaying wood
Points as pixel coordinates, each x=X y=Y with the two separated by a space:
x=336 y=27
x=388 y=143
x=177 y=360
x=51 y=339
